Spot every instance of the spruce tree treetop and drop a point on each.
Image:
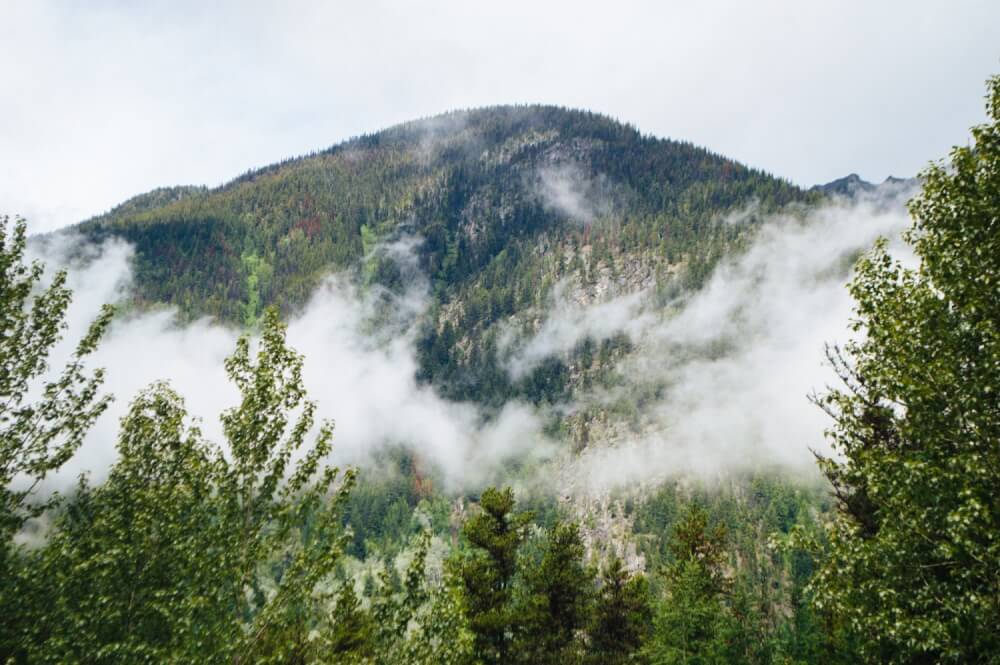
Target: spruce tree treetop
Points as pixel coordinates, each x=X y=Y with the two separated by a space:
x=487 y=573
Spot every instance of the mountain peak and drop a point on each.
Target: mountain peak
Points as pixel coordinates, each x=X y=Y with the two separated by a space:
x=853 y=185
x=485 y=189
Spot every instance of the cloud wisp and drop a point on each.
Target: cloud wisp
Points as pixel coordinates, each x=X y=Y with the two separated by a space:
x=732 y=365
x=569 y=323
x=363 y=381
x=723 y=374
x=568 y=190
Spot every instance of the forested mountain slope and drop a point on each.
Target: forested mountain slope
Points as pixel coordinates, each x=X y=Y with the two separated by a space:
x=505 y=202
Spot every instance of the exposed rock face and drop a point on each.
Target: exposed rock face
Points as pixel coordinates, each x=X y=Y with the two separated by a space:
x=849 y=185
x=607 y=531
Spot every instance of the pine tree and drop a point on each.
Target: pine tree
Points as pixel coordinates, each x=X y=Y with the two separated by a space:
x=622 y=617
x=689 y=621
x=350 y=637
x=487 y=572
x=556 y=603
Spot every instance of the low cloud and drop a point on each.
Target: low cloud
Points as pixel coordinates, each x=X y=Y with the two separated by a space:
x=570 y=191
x=372 y=392
x=724 y=373
x=365 y=382
x=732 y=365
x=569 y=323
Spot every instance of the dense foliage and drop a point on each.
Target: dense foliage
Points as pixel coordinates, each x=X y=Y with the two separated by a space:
x=188 y=553
x=914 y=555
x=38 y=435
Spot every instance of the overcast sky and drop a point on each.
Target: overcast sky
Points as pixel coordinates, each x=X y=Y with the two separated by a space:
x=101 y=101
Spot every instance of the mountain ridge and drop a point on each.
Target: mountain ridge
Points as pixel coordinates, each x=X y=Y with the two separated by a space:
x=507 y=203
x=378 y=180
x=853 y=184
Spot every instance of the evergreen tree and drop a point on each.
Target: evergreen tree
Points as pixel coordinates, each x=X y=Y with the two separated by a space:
x=689 y=621
x=556 y=602
x=487 y=572
x=350 y=636
x=622 y=617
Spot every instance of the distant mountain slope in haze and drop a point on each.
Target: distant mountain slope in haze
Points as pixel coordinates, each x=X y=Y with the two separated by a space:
x=853 y=184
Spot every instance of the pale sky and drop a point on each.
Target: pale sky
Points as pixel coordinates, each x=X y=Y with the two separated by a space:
x=105 y=100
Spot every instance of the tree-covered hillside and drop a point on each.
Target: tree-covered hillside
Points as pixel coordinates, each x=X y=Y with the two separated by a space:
x=482 y=187
x=505 y=202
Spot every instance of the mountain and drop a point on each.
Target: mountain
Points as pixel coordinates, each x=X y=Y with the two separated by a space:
x=853 y=185
x=506 y=202
x=561 y=257
x=471 y=183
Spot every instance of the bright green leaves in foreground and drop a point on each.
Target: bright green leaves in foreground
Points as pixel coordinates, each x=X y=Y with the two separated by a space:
x=37 y=436
x=913 y=564
x=274 y=510
x=134 y=569
x=189 y=554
